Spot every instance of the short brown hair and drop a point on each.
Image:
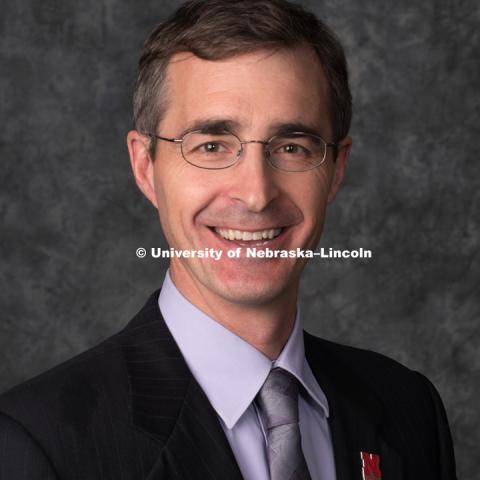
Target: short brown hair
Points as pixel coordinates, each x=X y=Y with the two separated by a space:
x=219 y=29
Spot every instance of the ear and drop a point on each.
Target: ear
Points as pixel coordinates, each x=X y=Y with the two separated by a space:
x=340 y=163
x=142 y=164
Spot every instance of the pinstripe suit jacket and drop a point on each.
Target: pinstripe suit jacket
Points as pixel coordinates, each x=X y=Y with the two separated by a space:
x=129 y=408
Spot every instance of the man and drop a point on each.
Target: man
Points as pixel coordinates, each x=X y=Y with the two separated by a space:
x=242 y=111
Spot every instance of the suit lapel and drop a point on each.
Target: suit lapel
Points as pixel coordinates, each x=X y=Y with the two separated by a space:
x=355 y=413
x=198 y=444
x=169 y=406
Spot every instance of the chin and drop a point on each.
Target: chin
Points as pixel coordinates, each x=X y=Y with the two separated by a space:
x=248 y=295
x=250 y=288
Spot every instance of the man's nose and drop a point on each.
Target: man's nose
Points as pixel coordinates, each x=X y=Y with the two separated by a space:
x=253 y=180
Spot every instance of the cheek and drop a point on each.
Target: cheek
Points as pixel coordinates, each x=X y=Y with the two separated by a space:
x=170 y=185
x=170 y=197
x=182 y=191
x=312 y=195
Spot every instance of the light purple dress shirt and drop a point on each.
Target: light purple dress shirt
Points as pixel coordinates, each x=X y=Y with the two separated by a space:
x=231 y=372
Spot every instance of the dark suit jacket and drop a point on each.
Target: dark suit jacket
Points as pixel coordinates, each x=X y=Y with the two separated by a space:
x=129 y=408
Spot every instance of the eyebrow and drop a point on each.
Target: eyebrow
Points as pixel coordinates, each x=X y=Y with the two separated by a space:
x=227 y=125
x=212 y=125
x=289 y=127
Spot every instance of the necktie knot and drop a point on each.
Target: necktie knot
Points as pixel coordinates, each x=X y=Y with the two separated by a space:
x=278 y=404
x=278 y=398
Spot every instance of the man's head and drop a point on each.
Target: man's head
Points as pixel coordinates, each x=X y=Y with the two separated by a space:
x=256 y=69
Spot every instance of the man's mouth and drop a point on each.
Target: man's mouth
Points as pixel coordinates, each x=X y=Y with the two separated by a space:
x=245 y=236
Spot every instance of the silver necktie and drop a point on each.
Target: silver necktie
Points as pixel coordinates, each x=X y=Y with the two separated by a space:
x=278 y=404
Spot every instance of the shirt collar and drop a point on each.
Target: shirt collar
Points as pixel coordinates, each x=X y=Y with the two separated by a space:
x=230 y=370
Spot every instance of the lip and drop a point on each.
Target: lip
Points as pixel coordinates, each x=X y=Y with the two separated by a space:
x=274 y=243
x=248 y=229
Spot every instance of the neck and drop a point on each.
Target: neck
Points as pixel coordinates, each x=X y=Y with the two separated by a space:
x=266 y=326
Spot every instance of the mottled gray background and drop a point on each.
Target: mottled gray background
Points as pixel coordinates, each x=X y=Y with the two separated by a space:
x=71 y=217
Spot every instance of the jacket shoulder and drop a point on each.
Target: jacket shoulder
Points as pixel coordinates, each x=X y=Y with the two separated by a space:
x=407 y=403
x=75 y=419
x=360 y=362
x=375 y=379
x=86 y=377
x=72 y=395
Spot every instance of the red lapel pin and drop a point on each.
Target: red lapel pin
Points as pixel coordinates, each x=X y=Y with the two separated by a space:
x=370 y=466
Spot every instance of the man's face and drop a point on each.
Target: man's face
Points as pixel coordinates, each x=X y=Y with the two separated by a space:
x=256 y=93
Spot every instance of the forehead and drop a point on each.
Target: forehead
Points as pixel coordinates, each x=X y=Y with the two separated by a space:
x=256 y=89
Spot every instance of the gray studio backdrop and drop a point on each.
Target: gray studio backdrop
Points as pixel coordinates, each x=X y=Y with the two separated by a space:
x=71 y=216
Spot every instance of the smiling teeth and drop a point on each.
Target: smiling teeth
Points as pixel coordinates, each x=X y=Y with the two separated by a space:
x=242 y=235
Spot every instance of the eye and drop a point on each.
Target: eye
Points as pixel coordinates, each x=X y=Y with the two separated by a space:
x=211 y=147
x=293 y=149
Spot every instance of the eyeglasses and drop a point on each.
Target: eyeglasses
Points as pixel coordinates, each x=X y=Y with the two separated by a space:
x=291 y=152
